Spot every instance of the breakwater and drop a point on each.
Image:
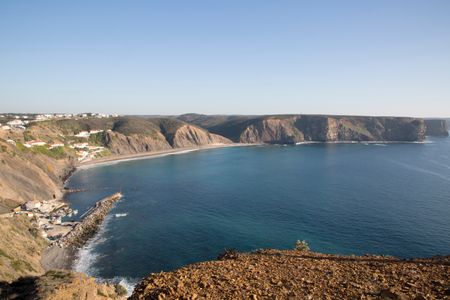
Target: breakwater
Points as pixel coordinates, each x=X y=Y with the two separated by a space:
x=88 y=226
x=61 y=253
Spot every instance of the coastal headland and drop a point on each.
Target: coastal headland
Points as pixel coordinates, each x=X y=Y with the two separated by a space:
x=38 y=158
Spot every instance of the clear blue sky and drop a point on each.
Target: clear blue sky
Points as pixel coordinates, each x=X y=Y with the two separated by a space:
x=379 y=57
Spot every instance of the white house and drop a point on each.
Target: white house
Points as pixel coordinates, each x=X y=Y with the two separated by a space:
x=84 y=134
x=30 y=205
x=34 y=143
x=80 y=145
x=56 y=145
x=95 y=131
x=15 y=123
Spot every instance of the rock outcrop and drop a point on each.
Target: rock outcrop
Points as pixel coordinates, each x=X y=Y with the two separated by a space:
x=436 y=127
x=289 y=129
x=60 y=285
x=275 y=274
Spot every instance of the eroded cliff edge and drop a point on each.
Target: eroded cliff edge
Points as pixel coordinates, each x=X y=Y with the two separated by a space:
x=291 y=129
x=436 y=127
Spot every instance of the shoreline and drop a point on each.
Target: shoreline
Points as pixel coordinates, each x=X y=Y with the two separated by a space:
x=56 y=257
x=62 y=253
x=152 y=154
x=65 y=257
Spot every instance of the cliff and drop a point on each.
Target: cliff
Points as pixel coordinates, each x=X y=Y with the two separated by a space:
x=27 y=175
x=289 y=129
x=276 y=274
x=129 y=135
x=436 y=127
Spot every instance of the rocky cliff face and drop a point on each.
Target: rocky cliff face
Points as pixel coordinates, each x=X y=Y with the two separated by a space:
x=288 y=129
x=192 y=136
x=436 y=127
x=136 y=143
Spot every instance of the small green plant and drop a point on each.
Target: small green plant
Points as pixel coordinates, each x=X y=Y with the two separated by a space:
x=228 y=254
x=120 y=290
x=3 y=253
x=302 y=246
x=28 y=137
x=56 y=153
x=21 y=147
x=100 y=293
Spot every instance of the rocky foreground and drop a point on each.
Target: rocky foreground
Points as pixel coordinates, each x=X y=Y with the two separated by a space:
x=276 y=274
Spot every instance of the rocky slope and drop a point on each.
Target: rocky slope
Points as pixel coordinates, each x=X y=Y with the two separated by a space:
x=21 y=247
x=436 y=127
x=275 y=274
x=27 y=175
x=131 y=135
x=289 y=129
x=60 y=285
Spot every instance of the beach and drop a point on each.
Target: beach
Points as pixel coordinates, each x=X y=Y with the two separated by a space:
x=153 y=154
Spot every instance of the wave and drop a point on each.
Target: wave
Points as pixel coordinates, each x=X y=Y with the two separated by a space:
x=119 y=215
x=126 y=282
x=86 y=256
x=421 y=170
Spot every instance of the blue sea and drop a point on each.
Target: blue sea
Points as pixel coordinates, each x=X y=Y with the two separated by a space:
x=391 y=199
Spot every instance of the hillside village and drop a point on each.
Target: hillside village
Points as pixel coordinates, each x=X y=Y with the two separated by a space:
x=83 y=150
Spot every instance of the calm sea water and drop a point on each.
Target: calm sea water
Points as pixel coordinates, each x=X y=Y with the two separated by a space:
x=342 y=198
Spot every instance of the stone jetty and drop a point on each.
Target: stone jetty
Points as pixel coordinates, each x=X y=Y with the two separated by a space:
x=92 y=219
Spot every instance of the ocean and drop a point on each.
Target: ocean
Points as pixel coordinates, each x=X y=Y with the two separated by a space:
x=391 y=199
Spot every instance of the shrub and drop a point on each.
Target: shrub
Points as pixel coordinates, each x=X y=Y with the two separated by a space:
x=56 y=153
x=302 y=246
x=120 y=290
x=228 y=254
x=21 y=147
x=3 y=253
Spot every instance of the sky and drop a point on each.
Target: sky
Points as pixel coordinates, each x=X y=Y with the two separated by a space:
x=384 y=57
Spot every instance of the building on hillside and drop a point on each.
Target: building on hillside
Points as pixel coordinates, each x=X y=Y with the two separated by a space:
x=34 y=143
x=56 y=145
x=95 y=131
x=80 y=145
x=30 y=205
x=15 y=123
x=12 y=142
x=82 y=134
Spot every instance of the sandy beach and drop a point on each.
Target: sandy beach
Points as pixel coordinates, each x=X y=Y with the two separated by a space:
x=154 y=154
